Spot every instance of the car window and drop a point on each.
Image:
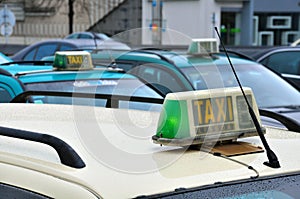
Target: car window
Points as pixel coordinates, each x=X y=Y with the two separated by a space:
x=159 y=76
x=64 y=47
x=30 y=55
x=85 y=36
x=284 y=62
x=258 y=78
x=102 y=36
x=9 y=191
x=45 y=50
x=72 y=36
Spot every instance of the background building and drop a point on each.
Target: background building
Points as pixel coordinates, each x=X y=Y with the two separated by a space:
x=241 y=22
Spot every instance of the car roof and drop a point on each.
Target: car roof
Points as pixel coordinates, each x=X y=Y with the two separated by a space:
x=77 y=44
x=74 y=42
x=179 y=59
x=103 y=35
x=150 y=168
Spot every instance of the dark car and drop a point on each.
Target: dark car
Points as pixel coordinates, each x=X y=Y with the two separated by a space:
x=42 y=49
x=285 y=60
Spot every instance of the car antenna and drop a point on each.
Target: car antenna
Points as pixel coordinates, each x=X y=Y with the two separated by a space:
x=273 y=161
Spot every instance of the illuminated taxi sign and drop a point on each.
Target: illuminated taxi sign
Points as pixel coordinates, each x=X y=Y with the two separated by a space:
x=216 y=114
x=203 y=46
x=73 y=60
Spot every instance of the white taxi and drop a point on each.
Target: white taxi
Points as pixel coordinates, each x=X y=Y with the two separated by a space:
x=202 y=144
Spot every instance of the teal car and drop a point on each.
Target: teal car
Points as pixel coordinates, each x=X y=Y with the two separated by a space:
x=73 y=80
x=278 y=101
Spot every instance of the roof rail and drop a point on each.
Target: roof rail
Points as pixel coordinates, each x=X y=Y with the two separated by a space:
x=112 y=100
x=154 y=53
x=66 y=153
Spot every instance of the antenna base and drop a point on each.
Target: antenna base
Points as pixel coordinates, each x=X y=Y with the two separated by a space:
x=273 y=161
x=273 y=164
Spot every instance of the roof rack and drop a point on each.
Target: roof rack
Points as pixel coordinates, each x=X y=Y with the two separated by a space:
x=154 y=53
x=66 y=153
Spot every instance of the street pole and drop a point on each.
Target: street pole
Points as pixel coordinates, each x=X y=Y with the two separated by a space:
x=157 y=22
x=71 y=14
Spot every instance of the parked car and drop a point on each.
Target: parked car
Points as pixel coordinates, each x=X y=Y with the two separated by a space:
x=39 y=50
x=88 y=35
x=285 y=60
x=72 y=72
x=165 y=72
x=173 y=72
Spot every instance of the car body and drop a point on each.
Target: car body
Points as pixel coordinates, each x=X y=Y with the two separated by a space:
x=17 y=79
x=108 y=153
x=284 y=60
x=173 y=71
x=41 y=49
x=88 y=35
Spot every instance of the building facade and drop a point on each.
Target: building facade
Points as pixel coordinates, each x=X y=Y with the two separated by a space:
x=241 y=22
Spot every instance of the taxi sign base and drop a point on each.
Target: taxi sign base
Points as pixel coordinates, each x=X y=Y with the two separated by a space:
x=236 y=148
x=200 y=139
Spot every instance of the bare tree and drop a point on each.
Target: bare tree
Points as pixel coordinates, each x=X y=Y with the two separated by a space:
x=44 y=5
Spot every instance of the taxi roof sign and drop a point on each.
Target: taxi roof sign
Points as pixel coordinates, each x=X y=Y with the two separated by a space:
x=203 y=46
x=73 y=60
x=192 y=117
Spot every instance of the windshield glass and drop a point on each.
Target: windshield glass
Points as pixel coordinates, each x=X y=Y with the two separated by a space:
x=276 y=187
x=126 y=87
x=264 y=83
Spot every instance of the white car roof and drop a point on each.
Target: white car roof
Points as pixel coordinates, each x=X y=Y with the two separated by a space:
x=121 y=159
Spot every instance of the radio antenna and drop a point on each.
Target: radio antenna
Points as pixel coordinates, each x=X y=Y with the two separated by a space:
x=273 y=161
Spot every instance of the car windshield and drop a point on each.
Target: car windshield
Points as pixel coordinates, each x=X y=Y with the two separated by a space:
x=264 y=83
x=283 y=187
x=103 y=36
x=126 y=87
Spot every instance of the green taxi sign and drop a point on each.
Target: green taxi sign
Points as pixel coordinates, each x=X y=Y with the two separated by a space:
x=73 y=60
x=217 y=114
x=203 y=46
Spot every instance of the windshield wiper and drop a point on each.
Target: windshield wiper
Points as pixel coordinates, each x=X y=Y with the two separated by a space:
x=289 y=123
